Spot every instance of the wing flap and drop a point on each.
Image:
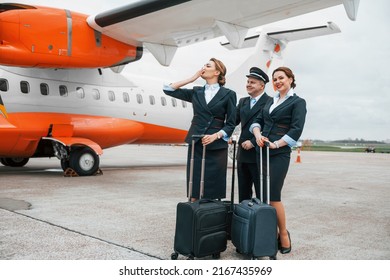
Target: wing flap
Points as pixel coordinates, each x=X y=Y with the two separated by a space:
x=290 y=35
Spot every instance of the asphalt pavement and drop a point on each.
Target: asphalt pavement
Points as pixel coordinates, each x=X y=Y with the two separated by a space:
x=337 y=207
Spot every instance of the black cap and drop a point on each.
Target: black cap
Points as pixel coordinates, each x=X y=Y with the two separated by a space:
x=259 y=74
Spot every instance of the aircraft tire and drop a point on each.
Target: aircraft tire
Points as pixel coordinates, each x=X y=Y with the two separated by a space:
x=84 y=161
x=3 y=162
x=15 y=162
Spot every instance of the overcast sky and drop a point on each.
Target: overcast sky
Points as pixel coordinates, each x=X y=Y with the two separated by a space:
x=343 y=76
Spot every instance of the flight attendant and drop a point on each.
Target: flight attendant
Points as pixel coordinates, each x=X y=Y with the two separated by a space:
x=283 y=120
x=214 y=108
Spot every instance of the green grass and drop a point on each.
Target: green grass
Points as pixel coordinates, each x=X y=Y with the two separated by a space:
x=379 y=148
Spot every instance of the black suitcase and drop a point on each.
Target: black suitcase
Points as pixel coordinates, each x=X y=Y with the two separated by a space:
x=254 y=223
x=200 y=225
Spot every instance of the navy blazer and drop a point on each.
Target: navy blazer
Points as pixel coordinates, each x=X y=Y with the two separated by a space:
x=245 y=115
x=288 y=118
x=219 y=113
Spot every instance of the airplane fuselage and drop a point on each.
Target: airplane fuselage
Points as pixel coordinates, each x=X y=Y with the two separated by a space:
x=108 y=109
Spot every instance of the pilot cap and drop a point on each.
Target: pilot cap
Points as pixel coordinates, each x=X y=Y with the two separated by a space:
x=259 y=74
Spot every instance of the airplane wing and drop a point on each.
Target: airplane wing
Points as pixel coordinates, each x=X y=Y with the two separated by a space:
x=162 y=26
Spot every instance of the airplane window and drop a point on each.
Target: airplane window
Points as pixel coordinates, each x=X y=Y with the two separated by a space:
x=44 y=89
x=139 y=99
x=111 y=95
x=126 y=97
x=63 y=90
x=184 y=104
x=174 y=103
x=24 y=87
x=163 y=101
x=80 y=92
x=3 y=85
x=95 y=94
x=152 y=100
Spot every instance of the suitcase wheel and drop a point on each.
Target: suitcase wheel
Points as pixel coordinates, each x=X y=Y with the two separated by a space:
x=273 y=258
x=216 y=256
x=174 y=256
x=191 y=258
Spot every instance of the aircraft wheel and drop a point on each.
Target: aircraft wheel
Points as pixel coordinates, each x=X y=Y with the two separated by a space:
x=15 y=162
x=3 y=162
x=84 y=161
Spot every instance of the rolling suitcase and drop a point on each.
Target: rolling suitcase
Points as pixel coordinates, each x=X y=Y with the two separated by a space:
x=254 y=223
x=200 y=225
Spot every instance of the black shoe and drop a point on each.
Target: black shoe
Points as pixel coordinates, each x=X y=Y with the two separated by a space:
x=279 y=244
x=286 y=250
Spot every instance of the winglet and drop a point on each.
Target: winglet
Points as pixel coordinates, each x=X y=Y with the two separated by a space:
x=3 y=111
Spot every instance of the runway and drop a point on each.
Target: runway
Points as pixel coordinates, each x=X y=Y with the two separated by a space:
x=337 y=207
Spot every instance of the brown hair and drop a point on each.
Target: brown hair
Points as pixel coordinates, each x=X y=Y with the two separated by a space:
x=222 y=70
x=288 y=73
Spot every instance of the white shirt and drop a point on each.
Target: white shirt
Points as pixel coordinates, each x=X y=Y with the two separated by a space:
x=210 y=91
x=277 y=100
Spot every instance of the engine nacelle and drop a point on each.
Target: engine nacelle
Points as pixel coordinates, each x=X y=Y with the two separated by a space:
x=32 y=36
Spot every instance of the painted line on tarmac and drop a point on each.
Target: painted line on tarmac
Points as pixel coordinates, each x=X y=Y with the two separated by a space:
x=84 y=234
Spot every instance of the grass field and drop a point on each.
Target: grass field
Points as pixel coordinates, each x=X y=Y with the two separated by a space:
x=347 y=147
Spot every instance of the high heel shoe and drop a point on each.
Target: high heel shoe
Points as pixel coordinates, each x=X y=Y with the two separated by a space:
x=285 y=250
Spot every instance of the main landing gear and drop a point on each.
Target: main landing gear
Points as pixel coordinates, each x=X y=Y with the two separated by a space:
x=82 y=160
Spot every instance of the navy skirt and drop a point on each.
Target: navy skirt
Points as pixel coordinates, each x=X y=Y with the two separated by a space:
x=279 y=165
x=215 y=172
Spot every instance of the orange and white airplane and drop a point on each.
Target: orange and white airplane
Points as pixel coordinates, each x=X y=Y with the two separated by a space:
x=61 y=91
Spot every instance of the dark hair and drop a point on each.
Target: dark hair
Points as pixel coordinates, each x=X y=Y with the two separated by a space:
x=288 y=73
x=222 y=70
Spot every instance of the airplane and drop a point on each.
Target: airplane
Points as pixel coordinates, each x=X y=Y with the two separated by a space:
x=62 y=92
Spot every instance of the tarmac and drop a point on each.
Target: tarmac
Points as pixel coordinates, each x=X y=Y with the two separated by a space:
x=337 y=207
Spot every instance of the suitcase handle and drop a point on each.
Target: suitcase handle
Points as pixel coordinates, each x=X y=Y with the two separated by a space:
x=190 y=183
x=205 y=200
x=234 y=141
x=267 y=144
x=253 y=201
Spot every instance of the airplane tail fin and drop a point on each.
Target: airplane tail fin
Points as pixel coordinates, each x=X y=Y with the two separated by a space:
x=268 y=46
x=3 y=111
